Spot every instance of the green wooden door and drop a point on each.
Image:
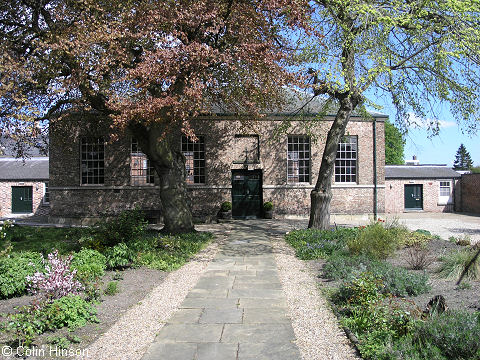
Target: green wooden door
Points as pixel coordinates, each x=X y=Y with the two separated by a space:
x=246 y=194
x=413 y=197
x=21 y=199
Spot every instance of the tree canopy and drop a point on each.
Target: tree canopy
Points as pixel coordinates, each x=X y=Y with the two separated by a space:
x=463 y=160
x=421 y=53
x=146 y=66
x=394 y=145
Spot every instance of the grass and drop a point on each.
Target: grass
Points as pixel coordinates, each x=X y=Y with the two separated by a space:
x=453 y=264
x=45 y=239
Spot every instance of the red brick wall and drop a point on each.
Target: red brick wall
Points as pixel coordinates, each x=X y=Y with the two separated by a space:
x=470 y=189
x=69 y=200
x=395 y=195
x=39 y=208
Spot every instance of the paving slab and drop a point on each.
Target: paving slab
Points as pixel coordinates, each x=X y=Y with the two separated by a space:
x=237 y=310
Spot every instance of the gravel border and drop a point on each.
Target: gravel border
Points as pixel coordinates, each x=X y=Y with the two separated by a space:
x=130 y=336
x=316 y=327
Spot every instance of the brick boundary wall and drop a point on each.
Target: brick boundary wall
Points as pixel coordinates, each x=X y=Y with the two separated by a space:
x=470 y=198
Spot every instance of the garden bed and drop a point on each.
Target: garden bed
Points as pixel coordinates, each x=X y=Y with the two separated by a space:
x=65 y=287
x=133 y=286
x=367 y=274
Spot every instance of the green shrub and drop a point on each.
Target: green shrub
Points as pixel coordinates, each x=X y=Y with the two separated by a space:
x=363 y=290
x=90 y=265
x=70 y=311
x=313 y=243
x=14 y=269
x=455 y=333
x=396 y=281
x=268 y=206
x=346 y=267
x=112 y=288
x=119 y=256
x=127 y=226
x=226 y=206
x=376 y=241
x=416 y=239
x=453 y=264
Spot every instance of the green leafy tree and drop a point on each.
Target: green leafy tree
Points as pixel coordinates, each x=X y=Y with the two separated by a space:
x=419 y=52
x=144 y=66
x=394 y=145
x=463 y=160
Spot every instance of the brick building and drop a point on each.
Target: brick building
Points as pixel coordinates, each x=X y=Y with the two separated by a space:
x=430 y=188
x=470 y=194
x=247 y=165
x=24 y=187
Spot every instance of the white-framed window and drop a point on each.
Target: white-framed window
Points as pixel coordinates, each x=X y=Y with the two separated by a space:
x=194 y=152
x=46 y=193
x=445 y=192
x=346 y=161
x=92 y=165
x=298 y=159
x=141 y=171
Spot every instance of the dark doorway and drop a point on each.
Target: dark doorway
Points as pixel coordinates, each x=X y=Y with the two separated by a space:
x=246 y=194
x=413 y=197
x=21 y=199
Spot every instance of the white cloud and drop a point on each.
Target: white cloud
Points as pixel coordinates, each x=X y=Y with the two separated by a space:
x=422 y=123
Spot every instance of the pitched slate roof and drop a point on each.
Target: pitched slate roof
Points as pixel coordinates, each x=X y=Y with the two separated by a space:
x=419 y=172
x=30 y=169
x=300 y=103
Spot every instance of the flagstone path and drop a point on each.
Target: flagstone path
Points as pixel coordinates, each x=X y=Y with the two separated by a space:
x=237 y=309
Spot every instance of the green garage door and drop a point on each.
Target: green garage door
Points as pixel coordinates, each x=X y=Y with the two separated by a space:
x=413 y=197
x=22 y=199
x=246 y=193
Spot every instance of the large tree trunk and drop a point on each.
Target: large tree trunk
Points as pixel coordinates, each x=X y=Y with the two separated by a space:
x=321 y=195
x=169 y=163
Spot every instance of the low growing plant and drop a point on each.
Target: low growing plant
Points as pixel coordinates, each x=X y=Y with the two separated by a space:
x=167 y=252
x=313 y=244
x=396 y=281
x=119 y=256
x=14 y=270
x=226 y=206
x=455 y=333
x=268 y=206
x=112 y=288
x=89 y=264
x=453 y=264
x=70 y=311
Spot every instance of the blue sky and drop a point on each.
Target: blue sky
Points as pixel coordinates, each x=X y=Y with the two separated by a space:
x=440 y=149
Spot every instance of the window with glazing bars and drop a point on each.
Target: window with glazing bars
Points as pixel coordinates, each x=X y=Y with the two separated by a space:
x=92 y=160
x=141 y=171
x=46 y=193
x=194 y=152
x=346 y=162
x=298 y=159
x=445 y=188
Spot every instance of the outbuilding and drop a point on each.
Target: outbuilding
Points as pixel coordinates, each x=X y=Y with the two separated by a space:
x=430 y=188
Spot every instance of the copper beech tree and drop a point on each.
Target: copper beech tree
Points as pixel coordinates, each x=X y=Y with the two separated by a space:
x=424 y=54
x=143 y=66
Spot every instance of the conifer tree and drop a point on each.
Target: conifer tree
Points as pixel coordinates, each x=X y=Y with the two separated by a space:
x=463 y=160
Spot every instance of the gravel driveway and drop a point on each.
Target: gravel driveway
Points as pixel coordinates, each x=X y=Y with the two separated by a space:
x=442 y=224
